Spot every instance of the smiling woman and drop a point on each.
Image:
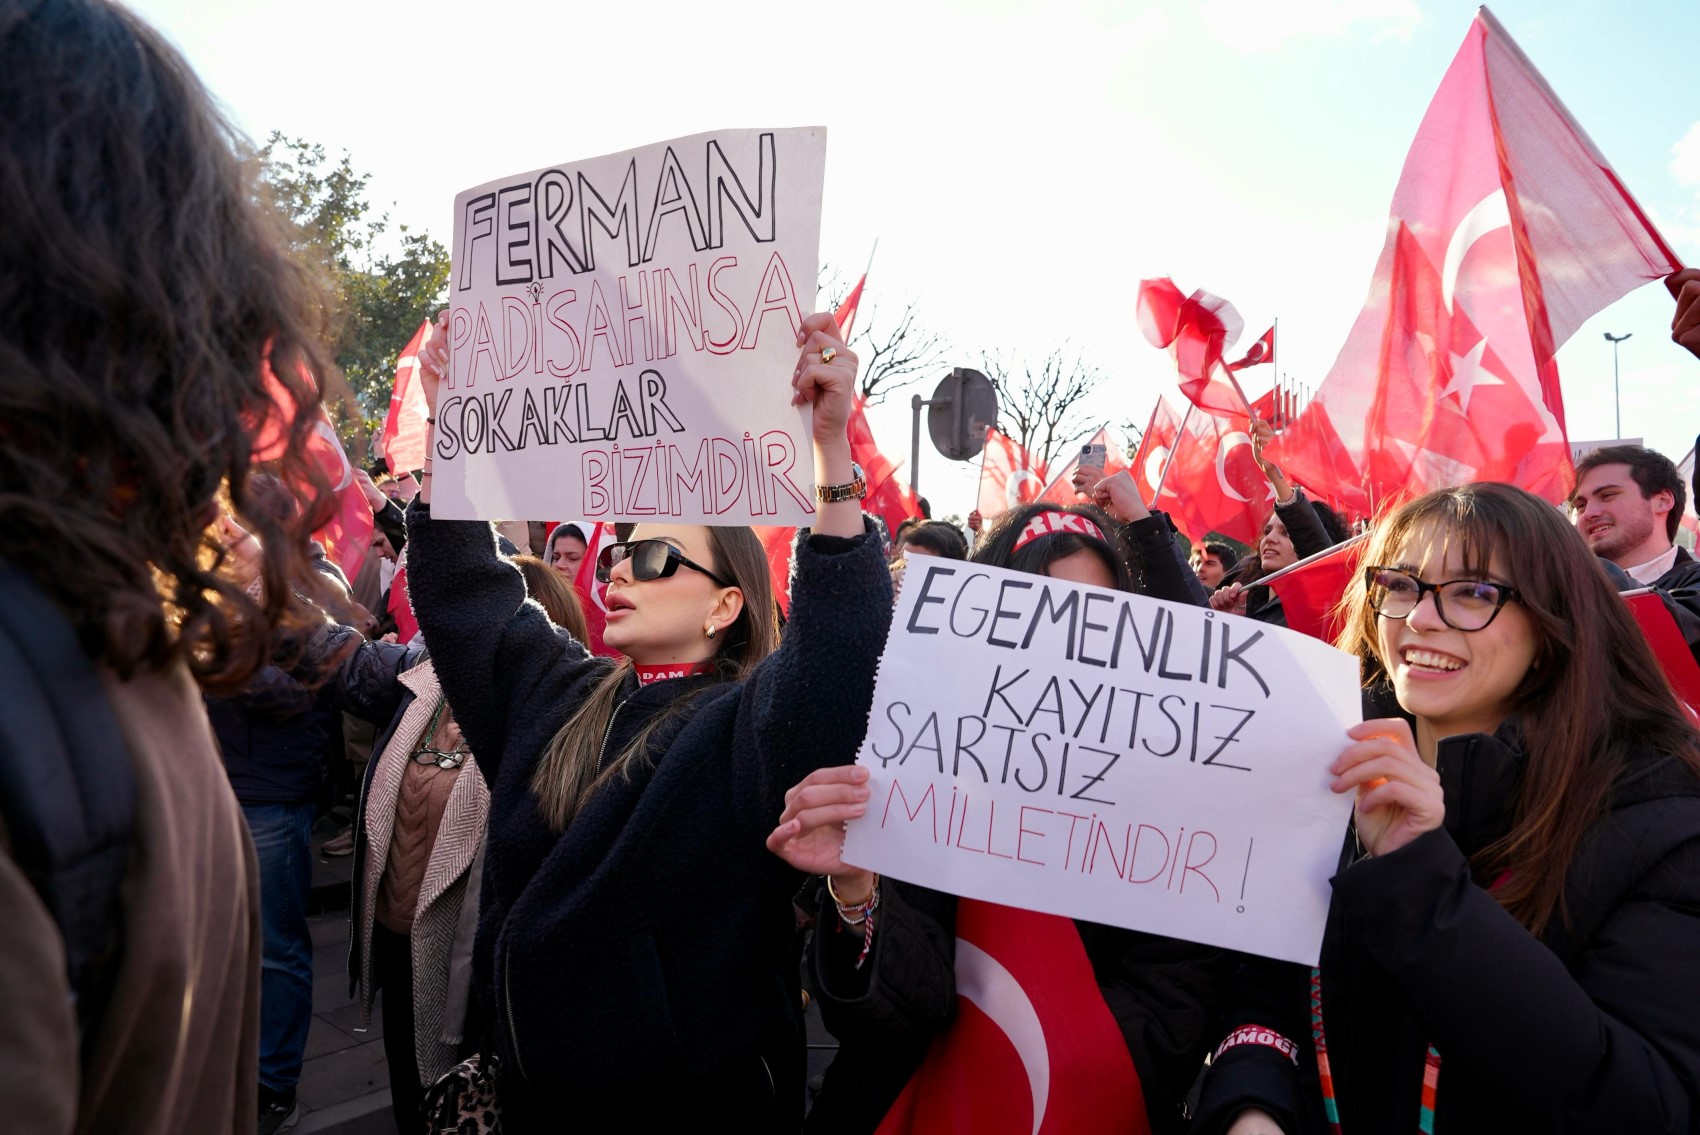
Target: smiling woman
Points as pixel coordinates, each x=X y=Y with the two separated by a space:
x=1525 y=864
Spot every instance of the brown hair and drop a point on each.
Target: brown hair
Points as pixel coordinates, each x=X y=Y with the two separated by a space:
x=1594 y=693
x=142 y=293
x=558 y=598
x=568 y=773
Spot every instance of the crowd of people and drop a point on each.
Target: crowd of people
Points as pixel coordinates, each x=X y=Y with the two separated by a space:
x=598 y=891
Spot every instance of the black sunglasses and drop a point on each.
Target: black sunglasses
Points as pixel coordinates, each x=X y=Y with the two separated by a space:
x=651 y=559
x=1462 y=604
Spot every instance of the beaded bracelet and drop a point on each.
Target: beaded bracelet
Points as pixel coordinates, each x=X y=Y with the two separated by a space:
x=860 y=915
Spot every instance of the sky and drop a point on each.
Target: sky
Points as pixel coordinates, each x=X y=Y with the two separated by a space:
x=1021 y=165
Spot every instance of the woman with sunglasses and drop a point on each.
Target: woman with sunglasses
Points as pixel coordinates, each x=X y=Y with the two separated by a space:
x=1516 y=918
x=633 y=935
x=883 y=957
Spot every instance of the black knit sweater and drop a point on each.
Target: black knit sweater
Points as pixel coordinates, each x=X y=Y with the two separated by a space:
x=635 y=966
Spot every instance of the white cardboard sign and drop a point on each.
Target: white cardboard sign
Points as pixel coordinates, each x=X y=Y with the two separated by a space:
x=1107 y=757
x=623 y=331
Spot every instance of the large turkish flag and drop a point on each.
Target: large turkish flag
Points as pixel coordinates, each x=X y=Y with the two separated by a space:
x=1508 y=230
x=1033 y=1049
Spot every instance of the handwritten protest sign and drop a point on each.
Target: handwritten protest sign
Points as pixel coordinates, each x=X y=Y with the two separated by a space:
x=622 y=334
x=1108 y=757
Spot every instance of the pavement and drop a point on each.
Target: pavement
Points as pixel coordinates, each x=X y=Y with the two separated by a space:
x=344 y=1087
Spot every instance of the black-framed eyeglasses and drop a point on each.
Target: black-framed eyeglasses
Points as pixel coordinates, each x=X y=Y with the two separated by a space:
x=1462 y=604
x=651 y=559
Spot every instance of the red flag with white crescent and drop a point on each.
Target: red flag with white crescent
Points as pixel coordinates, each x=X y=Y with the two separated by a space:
x=1260 y=352
x=1033 y=1049
x=1213 y=483
x=1009 y=475
x=1509 y=229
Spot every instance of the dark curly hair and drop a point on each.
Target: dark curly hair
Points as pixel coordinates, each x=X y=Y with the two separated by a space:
x=143 y=291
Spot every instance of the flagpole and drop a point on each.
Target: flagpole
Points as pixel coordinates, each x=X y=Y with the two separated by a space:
x=1157 y=492
x=1244 y=401
x=1311 y=559
x=870 y=266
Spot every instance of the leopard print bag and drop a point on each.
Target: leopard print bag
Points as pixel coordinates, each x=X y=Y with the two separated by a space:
x=463 y=1100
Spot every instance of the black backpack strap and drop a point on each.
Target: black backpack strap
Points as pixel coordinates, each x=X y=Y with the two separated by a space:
x=67 y=789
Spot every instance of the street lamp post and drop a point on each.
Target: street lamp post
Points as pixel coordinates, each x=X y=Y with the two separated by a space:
x=1616 y=401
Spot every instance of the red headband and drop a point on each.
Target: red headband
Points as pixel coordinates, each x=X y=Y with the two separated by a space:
x=1052 y=521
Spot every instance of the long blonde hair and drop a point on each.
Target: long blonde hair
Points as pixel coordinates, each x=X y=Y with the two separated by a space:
x=567 y=775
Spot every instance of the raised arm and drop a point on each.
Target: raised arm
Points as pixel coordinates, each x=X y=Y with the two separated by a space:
x=806 y=705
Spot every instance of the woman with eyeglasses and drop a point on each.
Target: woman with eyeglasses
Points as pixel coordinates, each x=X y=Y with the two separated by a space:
x=634 y=948
x=1513 y=937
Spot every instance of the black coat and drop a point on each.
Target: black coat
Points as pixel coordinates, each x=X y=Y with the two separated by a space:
x=635 y=967
x=1590 y=1028
x=275 y=737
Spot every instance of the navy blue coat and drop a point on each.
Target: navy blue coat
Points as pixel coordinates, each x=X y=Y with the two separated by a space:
x=638 y=968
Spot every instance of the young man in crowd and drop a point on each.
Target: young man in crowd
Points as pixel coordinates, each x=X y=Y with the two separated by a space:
x=1212 y=563
x=1628 y=504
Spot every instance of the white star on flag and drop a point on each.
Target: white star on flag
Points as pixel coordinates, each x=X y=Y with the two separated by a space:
x=1468 y=372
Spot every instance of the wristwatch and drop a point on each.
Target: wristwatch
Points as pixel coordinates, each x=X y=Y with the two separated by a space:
x=854 y=491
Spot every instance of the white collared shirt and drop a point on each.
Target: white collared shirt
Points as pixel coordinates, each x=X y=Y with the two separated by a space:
x=1648 y=573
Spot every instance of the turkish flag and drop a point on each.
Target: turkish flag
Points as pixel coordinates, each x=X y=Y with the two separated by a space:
x=1061 y=489
x=1009 y=476
x=846 y=313
x=1214 y=484
x=1508 y=230
x=1033 y=1049
x=1195 y=329
x=1260 y=352
x=593 y=593
x=403 y=437
x=1155 y=446
x=341 y=522
x=1311 y=589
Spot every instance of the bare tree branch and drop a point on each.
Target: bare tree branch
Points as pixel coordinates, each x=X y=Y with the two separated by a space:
x=892 y=356
x=1040 y=407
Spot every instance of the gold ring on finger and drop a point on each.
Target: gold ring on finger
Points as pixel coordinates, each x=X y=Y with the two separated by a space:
x=828 y=355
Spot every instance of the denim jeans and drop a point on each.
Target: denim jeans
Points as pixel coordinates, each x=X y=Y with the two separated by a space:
x=283 y=835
